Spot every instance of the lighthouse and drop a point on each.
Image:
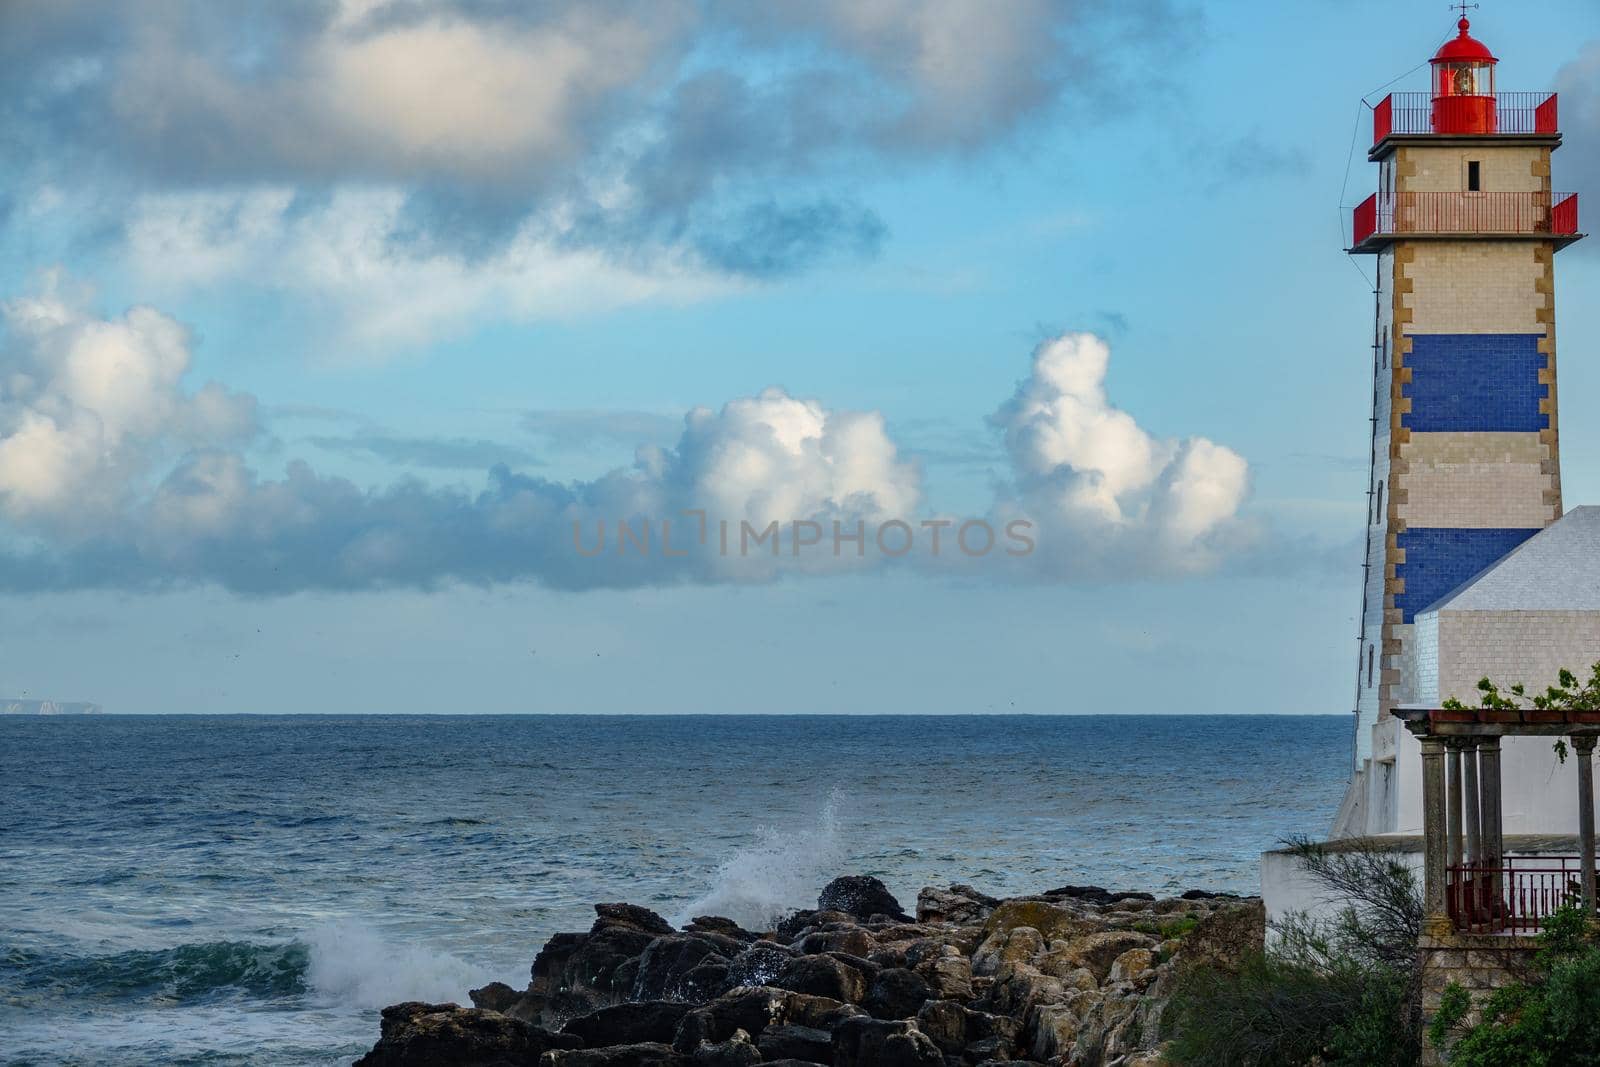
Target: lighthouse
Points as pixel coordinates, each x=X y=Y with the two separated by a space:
x=1465 y=461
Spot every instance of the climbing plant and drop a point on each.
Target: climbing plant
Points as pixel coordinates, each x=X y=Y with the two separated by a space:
x=1568 y=694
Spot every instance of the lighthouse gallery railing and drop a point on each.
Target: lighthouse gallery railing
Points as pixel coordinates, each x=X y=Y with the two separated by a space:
x=1413 y=113
x=1465 y=213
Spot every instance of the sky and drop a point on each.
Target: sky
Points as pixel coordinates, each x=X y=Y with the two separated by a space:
x=334 y=335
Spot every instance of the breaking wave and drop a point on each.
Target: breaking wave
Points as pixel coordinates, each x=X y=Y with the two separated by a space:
x=353 y=964
x=781 y=873
x=345 y=963
x=186 y=973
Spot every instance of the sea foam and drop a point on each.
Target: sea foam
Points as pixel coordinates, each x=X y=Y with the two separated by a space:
x=352 y=963
x=779 y=874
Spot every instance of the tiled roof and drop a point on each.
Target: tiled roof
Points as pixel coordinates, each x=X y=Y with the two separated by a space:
x=1557 y=570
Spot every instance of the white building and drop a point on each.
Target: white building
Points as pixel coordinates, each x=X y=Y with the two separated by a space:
x=1472 y=567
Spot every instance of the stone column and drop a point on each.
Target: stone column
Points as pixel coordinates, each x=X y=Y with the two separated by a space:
x=1434 y=844
x=1472 y=795
x=1584 y=747
x=1493 y=842
x=1454 y=799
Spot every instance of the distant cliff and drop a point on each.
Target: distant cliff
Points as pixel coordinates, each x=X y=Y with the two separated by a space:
x=46 y=707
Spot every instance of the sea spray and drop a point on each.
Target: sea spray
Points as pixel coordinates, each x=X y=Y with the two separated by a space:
x=780 y=873
x=352 y=963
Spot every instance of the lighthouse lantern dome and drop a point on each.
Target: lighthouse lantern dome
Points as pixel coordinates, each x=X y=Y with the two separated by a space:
x=1463 y=85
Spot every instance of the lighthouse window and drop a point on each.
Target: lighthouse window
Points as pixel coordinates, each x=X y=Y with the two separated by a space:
x=1370 y=652
x=1474 y=176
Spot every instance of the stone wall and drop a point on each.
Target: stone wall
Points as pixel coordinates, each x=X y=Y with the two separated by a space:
x=1477 y=963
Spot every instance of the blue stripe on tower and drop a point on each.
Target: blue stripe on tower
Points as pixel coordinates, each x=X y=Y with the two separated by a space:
x=1438 y=562
x=1475 y=381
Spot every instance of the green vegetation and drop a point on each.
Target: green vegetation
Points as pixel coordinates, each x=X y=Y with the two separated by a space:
x=1551 y=1019
x=1566 y=695
x=1169 y=929
x=1343 y=991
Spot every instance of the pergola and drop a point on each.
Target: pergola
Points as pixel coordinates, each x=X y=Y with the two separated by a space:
x=1468 y=881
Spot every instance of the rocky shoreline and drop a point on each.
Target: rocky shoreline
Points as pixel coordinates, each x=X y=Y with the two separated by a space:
x=1074 y=976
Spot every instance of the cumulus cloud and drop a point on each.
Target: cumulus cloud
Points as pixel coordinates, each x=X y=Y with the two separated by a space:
x=90 y=407
x=1110 y=499
x=115 y=471
x=414 y=162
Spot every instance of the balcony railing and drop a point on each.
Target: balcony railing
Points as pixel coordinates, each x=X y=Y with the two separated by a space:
x=1481 y=214
x=1417 y=113
x=1514 y=896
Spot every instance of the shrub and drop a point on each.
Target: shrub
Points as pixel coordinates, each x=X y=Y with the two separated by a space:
x=1551 y=1019
x=1327 y=991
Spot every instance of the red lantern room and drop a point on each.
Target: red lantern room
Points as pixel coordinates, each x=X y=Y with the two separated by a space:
x=1463 y=85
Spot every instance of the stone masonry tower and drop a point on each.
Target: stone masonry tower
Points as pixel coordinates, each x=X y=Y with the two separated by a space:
x=1465 y=463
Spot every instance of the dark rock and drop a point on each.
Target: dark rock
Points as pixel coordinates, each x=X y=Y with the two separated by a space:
x=945 y=1023
x=885 y=929
x=706 y=980
x=576 y=973
x=890 y=955
x=667 y=965
x=759 y=964
x=392 y=1018
x=631 y=916
x=862 y=896
x=716 y=924
x=847 y=938
x=737 y=1051
x=819 y=1013
x=802 y=922
x=797 y=1043
x=496 y=996
x=749 y=1009
x=753 y=1010
x=860 y=963
x=629 y=1024
x=625 y=977
x=724 y=944
x=790 y=926
x=446 y=1035
x=1095 y=894
x=879 y=1043
x=956 y=1028
x=896 y=993
x=960 y=904
x=641 y=1055
x=1201 y=894
x=823 y=976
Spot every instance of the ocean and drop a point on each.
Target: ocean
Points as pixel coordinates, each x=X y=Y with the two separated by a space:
x=244 y=890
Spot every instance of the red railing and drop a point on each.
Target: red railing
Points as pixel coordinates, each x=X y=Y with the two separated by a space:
x=1413 y=113
x=1399 y=214
x=1515 y=896
x=1564 y=215
x=1366 y=220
